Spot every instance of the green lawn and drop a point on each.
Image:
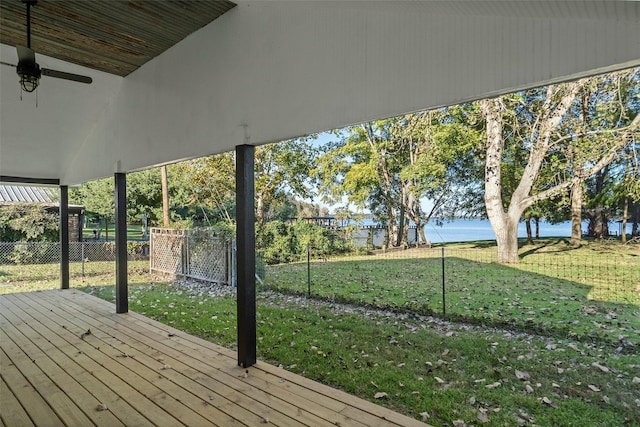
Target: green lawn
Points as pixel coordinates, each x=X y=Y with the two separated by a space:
x=434 y=371
x=591 y=293
x=29 y=278
x=134 y=232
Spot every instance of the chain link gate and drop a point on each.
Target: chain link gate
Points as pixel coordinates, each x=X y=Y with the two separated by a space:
x=195 y=253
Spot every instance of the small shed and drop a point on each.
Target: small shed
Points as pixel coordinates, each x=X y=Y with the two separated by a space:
x=45 y=197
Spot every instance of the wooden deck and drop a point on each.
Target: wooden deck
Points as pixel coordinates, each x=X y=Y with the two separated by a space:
x=64 y=354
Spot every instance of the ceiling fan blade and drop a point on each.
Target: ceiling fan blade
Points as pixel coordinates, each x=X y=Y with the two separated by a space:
x=6 y=63
x=26 y=56
x=66 y=76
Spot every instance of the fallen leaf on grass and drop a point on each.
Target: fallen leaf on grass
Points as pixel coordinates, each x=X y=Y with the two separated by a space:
x=521 y=375
x=547 y=401
x=425 y=416
x=482 y=416
x=380 y=395
x=439 y=380
x=599 y=366
x=606 y=400
x=636 y=380
x=525 y=416
x=459 y=423
x=593 y=388
x=528 y=388
x=494 y=385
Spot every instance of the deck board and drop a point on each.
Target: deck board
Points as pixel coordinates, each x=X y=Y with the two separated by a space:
x=147 y=373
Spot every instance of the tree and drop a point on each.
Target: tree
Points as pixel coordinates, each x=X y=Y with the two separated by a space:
x=536 y=120
x=165 y=196
x=98 y=198
x=628 y=192
x=144 y=195
x=603 y=113
x=28 y=222
x=207 y=183
x=282 y=169
x=364 y=166
x=392 y=165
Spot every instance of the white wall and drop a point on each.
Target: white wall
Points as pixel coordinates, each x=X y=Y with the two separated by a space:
x=285 y=69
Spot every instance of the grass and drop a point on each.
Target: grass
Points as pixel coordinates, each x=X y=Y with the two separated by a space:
x=432 y=370
x=589 y=294
x=30 y=278
x=134 y=232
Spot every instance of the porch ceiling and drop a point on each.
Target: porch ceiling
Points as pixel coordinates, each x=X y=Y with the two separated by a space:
x=265 y=71
x=115 y=36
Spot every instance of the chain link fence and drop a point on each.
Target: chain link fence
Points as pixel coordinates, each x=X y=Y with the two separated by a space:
x=22 y=262
x=194 y=253
x=38 y=253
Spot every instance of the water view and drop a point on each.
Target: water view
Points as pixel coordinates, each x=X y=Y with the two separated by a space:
x=480 y=229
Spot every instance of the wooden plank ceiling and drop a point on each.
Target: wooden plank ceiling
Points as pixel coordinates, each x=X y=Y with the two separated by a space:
x=114 y=36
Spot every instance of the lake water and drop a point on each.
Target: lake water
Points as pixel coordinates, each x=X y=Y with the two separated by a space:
x=480 y=229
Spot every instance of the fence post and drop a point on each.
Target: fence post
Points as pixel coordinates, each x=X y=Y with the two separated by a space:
x=444 y=309
x=309 y=270
x=82 y=255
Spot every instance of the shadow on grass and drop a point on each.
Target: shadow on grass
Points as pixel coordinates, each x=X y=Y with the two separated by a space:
x=559 y=245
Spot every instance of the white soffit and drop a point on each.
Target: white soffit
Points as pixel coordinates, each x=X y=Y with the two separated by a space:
x=40 y=132
x=283 y=69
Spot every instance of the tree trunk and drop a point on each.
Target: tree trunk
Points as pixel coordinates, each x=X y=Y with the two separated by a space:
x=403 y=226
x=106 y=229
x=576 y=214
x=165 y=196
x=537 y=228
x=635 y=215
x=260 y=209
x=506 y=232
x=625 y=213
x=529 y=233
x=503 y=223
x=599 y=230
x=421 y=233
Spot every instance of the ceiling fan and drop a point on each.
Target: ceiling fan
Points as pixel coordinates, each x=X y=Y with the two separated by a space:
x=29 y=70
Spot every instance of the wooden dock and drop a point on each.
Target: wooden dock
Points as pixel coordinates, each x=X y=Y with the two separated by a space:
x=67 y=359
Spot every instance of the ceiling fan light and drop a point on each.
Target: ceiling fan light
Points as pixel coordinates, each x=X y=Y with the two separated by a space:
x=29 y=83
